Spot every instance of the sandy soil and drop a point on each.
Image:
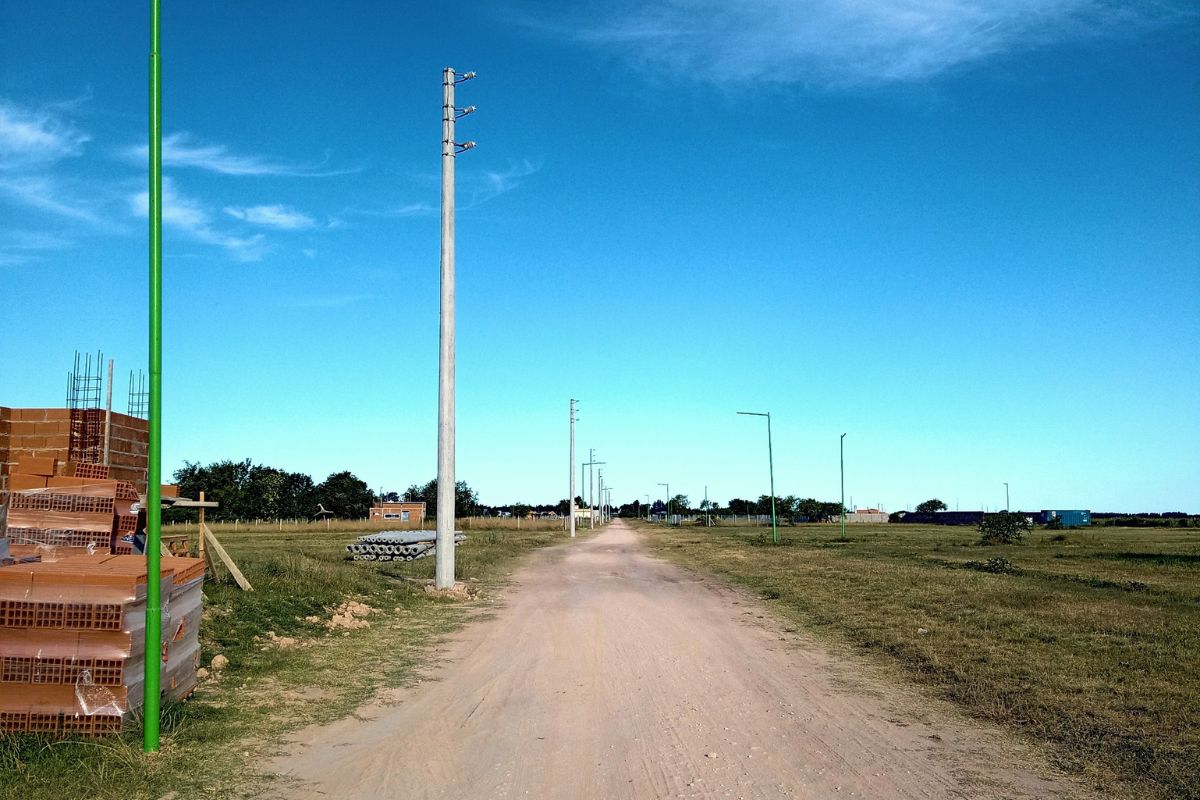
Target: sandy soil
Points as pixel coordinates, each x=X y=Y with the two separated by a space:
x=609 y=673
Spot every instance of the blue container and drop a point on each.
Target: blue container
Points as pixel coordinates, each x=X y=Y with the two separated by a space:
x=1074 y=518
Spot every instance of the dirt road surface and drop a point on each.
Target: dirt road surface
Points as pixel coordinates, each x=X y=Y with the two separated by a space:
x=608 y=673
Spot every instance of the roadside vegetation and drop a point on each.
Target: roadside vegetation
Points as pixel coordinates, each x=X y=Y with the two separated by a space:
x=297 y=655
x=1087 y=641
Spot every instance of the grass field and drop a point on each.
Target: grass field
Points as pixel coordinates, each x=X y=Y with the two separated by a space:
x=214 y=745
x=1086 y=641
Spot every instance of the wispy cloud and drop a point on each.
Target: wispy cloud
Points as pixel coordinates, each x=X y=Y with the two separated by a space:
x=48 y=194
x=33 y=140
x=21 y=247
x=31 y=137
x=276 y=216
x=180 y=150
x=493 y=183
x=841 y=43
x=393 y=212
x=190 y=217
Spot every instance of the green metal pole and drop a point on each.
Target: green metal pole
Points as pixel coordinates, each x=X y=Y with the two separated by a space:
x=154 y=471
x=842 y=460
x=771 y=461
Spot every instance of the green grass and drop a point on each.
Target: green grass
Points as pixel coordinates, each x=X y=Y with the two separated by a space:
x=214 y=744
x=1088 y=641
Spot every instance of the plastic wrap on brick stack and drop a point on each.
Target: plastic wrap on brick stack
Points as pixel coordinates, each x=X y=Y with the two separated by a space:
x=57 y=516
x=72 y=636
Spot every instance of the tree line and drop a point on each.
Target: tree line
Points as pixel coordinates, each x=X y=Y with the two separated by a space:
x=788 y=506
x=246 y=490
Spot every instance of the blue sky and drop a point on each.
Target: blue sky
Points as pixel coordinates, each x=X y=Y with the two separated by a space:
x=963 y=232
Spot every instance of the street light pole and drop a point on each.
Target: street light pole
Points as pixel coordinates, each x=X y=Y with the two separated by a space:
x=444 y=569
x=842 y=460
x=667 y=518
x=1006 y=496
x=571 y=496
x=771 y=464
x=647 y=508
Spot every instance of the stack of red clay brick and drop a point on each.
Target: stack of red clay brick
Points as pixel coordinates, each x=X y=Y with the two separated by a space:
x=72 y=640
x=75 y=435
x=57 y=509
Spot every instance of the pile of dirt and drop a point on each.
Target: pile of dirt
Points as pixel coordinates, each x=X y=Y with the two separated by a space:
x=273 y=639
x=348 y=616
x=460 y=591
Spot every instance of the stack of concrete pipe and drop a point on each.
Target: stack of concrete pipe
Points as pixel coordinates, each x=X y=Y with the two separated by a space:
x=397 y=545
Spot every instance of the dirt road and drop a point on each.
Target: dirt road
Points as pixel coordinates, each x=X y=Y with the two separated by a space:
x=612 y=674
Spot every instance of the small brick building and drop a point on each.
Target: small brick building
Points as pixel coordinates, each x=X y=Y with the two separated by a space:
x=398 y=512
x=74 y=435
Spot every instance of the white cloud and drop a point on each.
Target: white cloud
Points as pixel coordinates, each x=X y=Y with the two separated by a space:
x=838 y=43
x=492 y=183
x=179 y=150
x=190 y=217
x=36 y=137
x=410 y=210
x=20 y=247
x=48 y=194
x=276 y=216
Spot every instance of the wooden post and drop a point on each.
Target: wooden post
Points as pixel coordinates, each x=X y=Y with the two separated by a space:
x=200 y=549
x=205 y=533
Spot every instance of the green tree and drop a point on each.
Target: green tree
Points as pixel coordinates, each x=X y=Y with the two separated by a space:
x=1003 y=528
x=466 y=500
x=930 y=506
x=680 y=504
x=297 y=496
x=346 y=495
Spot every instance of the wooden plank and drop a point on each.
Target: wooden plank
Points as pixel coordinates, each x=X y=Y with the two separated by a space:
x=226 y=560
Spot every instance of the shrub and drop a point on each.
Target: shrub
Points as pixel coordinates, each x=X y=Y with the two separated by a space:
x=1003 y=528
x=997 y=566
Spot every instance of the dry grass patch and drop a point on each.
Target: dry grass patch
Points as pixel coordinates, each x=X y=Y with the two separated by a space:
x=1090 y=643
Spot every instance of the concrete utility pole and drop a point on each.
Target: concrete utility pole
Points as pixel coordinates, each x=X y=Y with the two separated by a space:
x=444 y=569
x=600 y=485
x=1006 y=496
x=707 y=516
x=647 y=508
x=591 y=463
x=667 y=516
x=571 y=501
x=842 y=461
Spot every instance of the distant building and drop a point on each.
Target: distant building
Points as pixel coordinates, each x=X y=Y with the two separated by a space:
x=398 y=512
x=865 y=515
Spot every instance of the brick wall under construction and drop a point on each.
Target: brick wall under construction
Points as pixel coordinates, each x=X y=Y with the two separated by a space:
x=74 y=435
